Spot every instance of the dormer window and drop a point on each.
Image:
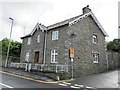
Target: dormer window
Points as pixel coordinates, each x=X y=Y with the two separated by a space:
x=29 y=41
x=94 y=39
x=54 y=35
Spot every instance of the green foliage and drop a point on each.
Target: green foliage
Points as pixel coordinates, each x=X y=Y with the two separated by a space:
x=64 y=75
x=114 y=45
x=15 y=47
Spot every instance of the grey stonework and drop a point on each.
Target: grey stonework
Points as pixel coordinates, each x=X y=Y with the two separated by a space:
x=33 y=47
x=113 y=60
x=79 y=36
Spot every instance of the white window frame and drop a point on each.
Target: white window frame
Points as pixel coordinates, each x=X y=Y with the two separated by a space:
x=95 y=57
x=94 y=39
x=29 y=41
x=53 y=56
x=27 y=56
x=38 y=38
x=55 y=35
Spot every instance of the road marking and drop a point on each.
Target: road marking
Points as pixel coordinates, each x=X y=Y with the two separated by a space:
x=74 y=87
x=89 y=87
x=67 y=83
x=40 y=81
x=5 y=85
x=62 y=84
x=79 y=85
x=67 y=80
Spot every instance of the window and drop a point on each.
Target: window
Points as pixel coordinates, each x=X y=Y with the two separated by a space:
x=29 y=41
x=38 y=38
x=27 y=55
x=94 y=39
x=54 y=35
x=54 y=55
x=95 y=57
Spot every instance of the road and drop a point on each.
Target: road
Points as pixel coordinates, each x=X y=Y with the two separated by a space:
x=107 y=79
x=9 y=81
x=103 y=80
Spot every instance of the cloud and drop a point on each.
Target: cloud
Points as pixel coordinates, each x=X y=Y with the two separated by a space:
x=27 y=13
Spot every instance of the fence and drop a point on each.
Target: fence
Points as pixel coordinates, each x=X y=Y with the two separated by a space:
x=40 y=67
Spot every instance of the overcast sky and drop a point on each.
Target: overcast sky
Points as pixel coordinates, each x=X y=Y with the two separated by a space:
x=26 y=13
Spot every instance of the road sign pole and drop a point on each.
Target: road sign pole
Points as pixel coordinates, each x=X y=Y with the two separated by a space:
x=71 y=56
x=71 y=68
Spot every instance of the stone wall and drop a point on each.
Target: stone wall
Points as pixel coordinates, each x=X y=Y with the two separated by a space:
x=113 y=60
x=84 y=47
x=33 y=47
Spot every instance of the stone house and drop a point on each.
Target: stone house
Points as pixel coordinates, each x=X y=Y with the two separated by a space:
x=47 y=48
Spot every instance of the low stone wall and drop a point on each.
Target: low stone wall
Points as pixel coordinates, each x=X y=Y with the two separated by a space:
x=113 y=60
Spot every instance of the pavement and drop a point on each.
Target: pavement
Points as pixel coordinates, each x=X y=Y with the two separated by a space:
x=26 y=74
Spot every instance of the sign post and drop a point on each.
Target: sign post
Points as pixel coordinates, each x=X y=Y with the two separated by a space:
x=72 y=56
x=72 y=53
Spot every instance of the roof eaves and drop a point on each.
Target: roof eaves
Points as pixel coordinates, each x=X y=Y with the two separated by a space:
x=25 y=36
x=99 y=25
x=95 y=19
x=42 y=27
x=79 y=18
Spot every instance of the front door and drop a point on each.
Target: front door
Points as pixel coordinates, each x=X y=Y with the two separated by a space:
x=36 y=57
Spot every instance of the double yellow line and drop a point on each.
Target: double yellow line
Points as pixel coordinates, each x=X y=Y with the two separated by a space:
x=40 y=81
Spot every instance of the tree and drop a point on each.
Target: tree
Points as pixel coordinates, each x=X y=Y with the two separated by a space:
x=15 y=47
x=114 y=45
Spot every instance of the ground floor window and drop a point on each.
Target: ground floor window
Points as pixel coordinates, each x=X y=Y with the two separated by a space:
x=27 y=56
x=54 y=55
x=95 y=57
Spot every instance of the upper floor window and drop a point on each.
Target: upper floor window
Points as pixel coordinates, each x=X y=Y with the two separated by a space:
x=54 y=55
x=94 y=39
x=29 y=41
x=95 y=57
x=54 y=35
x=38 y=38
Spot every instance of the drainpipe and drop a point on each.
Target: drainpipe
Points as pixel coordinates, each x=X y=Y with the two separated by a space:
x=44 y=46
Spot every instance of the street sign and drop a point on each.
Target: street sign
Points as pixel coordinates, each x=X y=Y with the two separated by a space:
x=71 y=52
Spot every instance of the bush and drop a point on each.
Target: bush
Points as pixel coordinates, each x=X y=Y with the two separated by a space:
x=64 y=75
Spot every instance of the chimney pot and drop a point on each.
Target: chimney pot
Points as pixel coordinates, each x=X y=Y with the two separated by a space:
x=86 y=9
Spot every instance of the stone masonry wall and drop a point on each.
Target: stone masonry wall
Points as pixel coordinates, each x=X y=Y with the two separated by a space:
x=34 y=46
x=81 y=41
x=113 y=60
x=78 y=36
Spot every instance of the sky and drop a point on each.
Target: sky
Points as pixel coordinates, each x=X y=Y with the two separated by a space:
x=27 y=13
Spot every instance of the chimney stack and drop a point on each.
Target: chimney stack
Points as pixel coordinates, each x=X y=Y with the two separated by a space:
x=86 y=9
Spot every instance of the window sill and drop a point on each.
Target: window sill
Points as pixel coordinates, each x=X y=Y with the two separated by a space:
x=95 y=62
x=94 y=43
